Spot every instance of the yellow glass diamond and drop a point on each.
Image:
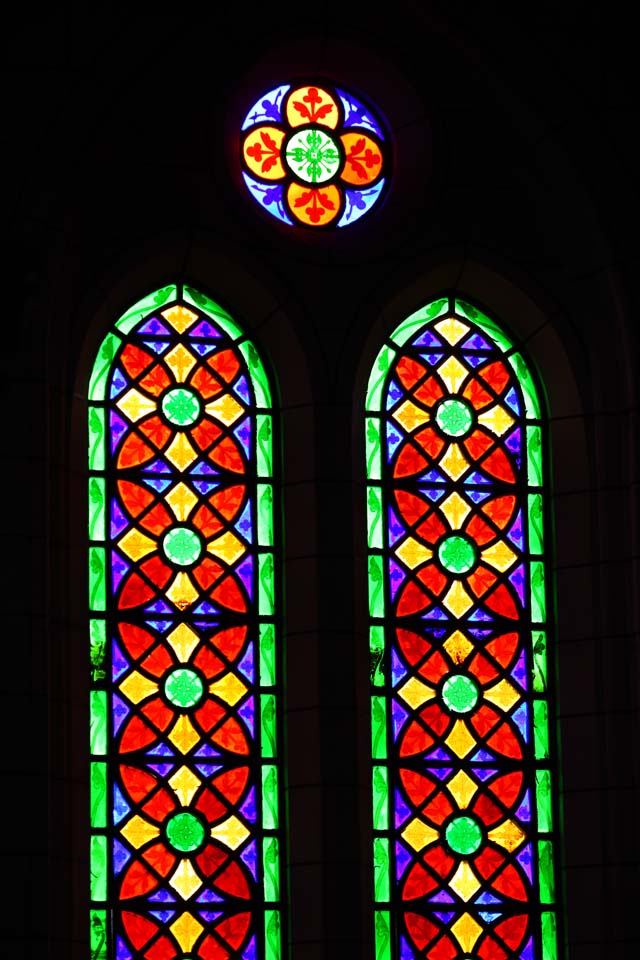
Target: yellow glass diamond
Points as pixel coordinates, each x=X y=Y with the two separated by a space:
x=185 y=880
x=503 y=694
x=499 y=556
x=180 y=318
x=418 y=834
x=496 y=419
x=180 y=361
x=183 y=736
x=180 y=453
x=186 y=929
x=508 y=835
x=135 y=405
x=182 y=500
x=462 y=788
x=136 y=545
x=409 y=416
x=184 y=641
x=453 y=374
x=231 y=832
x=230 y=688
x=184 y=784
x=182 y=592
x=458 y=647
x=413 y=553
x=454 y=462
x=225 y=409
x=457 y=600
x=451 y=329
x=464 y=881
x=455 y=509
x=416 y=693
x=460 y=740
x=136 y=687
x=227 y=547
x=138 y=831
x=466 y=930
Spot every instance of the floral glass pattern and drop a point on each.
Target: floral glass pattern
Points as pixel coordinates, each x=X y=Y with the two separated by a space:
x=314 y=155
x=463 y=785
x=185 y=834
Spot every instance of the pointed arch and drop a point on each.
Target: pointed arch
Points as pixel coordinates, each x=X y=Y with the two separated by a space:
x=464 y=784
x=186 y=834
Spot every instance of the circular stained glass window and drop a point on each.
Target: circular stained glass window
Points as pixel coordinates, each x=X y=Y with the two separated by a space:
x=314 y=155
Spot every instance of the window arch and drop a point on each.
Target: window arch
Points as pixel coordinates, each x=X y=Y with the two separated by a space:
x=464 y=798
x=186 y=842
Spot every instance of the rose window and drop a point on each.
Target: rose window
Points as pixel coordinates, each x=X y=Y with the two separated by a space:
x=314 y=156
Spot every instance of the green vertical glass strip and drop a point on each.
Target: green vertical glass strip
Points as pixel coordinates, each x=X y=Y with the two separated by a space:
x=545 y=871
x=97 y=584
x=536 y=531
x=98 y=867
x=267 y=654
x=268 y=722
x=380 y=798
x=376 y=649
x=543 y=800
x=266 y=600
x=96 y=508
x=271 y=861
x=376 y=593
x=381 y=869
x=272 y=934
x=549 y=936
x=214 y=310
x=98 y=934
x=378 y=377
x=98 y=723
x=540 y=729
x=259 y=380
x=472 y=313
x=148 y=304
x=383 y=935
x=97 y=648
x=374 y=517
x=534 y=456
x=270 y=797
x=106 y=353
x=96 y=438
x=265 y=514
x=529 y=391
x=379 y=728
x=416 y=320
x=264 y=456
x=538 y=601
x=98 y=792
x=373 y=449
x=539 y=643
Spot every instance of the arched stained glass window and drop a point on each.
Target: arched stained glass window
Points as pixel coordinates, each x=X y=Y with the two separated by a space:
x=463 y=808
x=185 y=832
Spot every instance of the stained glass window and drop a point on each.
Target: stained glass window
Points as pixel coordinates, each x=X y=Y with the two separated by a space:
x=463 y=776
x=314 y=155
x=186 y=848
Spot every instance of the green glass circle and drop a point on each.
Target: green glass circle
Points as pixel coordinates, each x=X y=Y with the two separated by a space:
x=457 y=554
x=185 y=832
x=454 y=417
x=460 y=693
x=181 y=406
x=313 y=155
x=183 y=687
x=463 y=835
x=182 y=546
